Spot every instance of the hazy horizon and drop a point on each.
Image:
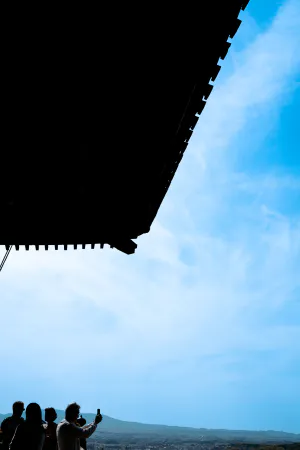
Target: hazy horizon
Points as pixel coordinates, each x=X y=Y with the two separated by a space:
x=86 y=413
x=201 y=327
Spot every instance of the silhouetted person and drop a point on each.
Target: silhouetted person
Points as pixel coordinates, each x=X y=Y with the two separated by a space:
x=51 y=439
x=30 y=435
x=10 y=424
x=81 y=422
x=69 y=434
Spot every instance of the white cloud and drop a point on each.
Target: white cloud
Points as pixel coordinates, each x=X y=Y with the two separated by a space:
x=264 y=74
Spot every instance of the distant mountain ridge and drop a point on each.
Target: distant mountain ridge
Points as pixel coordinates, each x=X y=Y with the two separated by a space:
x=115 y=426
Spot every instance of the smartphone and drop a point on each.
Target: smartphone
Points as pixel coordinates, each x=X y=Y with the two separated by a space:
x=98 y=412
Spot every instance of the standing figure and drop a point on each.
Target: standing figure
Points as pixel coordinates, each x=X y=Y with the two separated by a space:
x=30 y=435
x=51 y=439
x=69 y=434
x=9 y=425
x=81 y=422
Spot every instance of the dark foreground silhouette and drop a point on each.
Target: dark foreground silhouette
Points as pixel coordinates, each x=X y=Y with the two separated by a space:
x=34 y=433
x=9 y=425
x=120 y=434
x=108 y=109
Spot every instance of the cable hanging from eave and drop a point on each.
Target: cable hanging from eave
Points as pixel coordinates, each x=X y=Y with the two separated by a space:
x=5 y=257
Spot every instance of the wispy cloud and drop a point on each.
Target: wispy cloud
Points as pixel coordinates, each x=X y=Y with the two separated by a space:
x=207 y=285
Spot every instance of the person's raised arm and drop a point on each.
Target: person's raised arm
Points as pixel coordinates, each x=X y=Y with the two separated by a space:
x=86 y=431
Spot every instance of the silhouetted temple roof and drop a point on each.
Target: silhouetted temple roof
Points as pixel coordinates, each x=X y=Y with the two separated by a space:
x=97 y=116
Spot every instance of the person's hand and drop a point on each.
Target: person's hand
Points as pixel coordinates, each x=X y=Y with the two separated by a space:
x=98 y=418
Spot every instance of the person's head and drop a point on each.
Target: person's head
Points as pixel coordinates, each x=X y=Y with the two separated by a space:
x=81 y=421
x=18 y=408
x=72 y=412
x=50 y=415
x=34 y=413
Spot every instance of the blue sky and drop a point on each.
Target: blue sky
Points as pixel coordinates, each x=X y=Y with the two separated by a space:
x=201 y=327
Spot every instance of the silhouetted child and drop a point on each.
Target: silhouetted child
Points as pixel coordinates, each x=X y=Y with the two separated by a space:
x=51 y=439
x=10 y=424
x=81 y=422
x=30 y=435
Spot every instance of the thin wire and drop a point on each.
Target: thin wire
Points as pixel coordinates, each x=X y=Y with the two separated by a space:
x=5 y=257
